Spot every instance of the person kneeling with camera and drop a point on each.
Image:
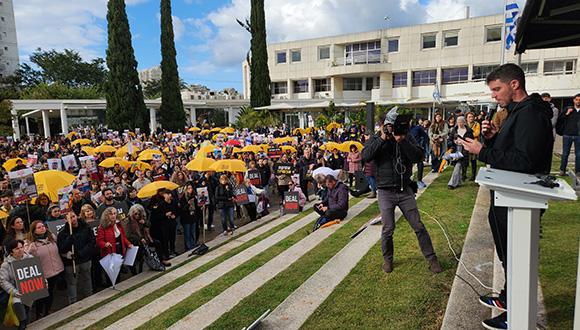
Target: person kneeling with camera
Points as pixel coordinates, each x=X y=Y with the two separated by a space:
x=394 y=154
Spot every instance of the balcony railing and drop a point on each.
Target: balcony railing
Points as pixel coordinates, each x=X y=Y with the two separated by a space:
x=361 y=57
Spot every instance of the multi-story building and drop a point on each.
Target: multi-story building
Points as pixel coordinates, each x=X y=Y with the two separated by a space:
x=150 y=74
x=407 y=64
x=8 y=45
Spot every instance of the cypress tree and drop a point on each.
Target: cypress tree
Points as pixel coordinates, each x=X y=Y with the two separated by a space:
x=125 y=105
x=172 y=113
x=260 y=93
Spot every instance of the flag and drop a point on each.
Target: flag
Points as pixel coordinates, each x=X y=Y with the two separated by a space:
x=436 y=94
x=512 y=15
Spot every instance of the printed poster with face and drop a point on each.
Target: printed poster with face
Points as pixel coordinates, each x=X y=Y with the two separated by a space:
x=23 y=184
x=54 y=164
x=202 y=196
x=32 y=160
x=88 y=163
x=82 y=182
x=64 y=198
x=70 y=162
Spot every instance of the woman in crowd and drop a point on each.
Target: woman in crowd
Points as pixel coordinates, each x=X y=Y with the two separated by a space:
x=53 y=214
x=41 y=243
x=111 y=236
x=293 y=187
x=190 y=214
x=77 y=245
x=438 y=134
x=476 y=128
x=15 y=230
x=15 y=251
x=224 y=197
x=283 y=178
x=354 y=159
x=163 y=216
x=253 y=194
x=459 y=157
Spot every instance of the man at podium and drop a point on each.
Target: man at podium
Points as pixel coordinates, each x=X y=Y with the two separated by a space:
x=523 y=144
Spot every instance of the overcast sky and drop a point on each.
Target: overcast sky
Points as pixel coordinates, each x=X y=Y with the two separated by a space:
x=210 y=44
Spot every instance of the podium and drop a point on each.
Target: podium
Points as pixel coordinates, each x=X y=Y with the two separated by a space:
x=524 y=201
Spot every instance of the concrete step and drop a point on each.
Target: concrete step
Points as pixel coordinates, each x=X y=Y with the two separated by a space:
x=224 y=302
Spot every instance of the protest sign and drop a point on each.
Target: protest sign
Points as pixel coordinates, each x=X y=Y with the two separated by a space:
x=31 y=160
x=64 y=199
x=202 y=196
x=274 y=152
x=291 y=202
x=23 y=184
x=54 y=164
x=82 y=182
x=241 y=194
x=30 y=280
x=254 y=177
x=56 y=226
x=88 y=163
x=296 y=179
x=70 y=162
x=284 y=169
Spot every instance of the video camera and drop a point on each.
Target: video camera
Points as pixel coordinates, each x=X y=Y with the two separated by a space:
x=395 y=123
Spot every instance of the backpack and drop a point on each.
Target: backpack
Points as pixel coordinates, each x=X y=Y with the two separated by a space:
x=152 y=259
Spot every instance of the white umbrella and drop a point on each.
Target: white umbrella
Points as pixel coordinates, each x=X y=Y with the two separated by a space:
x=112 y=265
x=325 y=171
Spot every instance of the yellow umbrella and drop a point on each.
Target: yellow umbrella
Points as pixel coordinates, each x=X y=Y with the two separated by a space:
x=103 y=148
x=207 y=148
x=252 y=148
x=308 y=130
x=332 y=125
x=205 y=132
x=144 y=156
x=70 y=135
x=265 y=147
x=200 y=164
x=281 y=140
x=11 y=163
x=51 y=181
x=88 y=150
x=330 y=146
x=4 y=215
x=215 y=130
x=151 y=189
x=82 y=142
x=235 y=150
x=215 y=137
x=112 y=161
x=286 y=148
x=228 y=165
x=194 y=129
x=228 y=130
x=298 y=131
x=345 y=146
x=178 y=148
x=124 y=150
x=138 y=165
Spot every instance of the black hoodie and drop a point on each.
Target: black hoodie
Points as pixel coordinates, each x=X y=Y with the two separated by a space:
x=525 y=142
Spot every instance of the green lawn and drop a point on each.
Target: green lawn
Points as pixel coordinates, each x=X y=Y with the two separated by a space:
x=559 y=259
x=411 y=297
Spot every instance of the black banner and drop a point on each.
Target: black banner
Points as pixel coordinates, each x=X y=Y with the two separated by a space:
x=30 y=280
x=291 y=202
x=284 y=168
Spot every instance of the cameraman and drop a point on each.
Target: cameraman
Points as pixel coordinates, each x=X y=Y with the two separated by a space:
x=394 y=156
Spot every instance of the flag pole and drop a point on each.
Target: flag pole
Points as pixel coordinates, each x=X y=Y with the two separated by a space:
x=503 y=33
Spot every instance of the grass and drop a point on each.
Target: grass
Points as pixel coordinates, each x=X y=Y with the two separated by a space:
x=207 y=293
x=207 y=266
x=559 y=259
x=277 y=289
x=411 y=297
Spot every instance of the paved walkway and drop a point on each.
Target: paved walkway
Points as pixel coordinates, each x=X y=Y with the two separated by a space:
x=224 y=302
x=257 y=228
x=297 y=308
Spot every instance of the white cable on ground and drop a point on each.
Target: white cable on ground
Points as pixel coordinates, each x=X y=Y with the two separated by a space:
x=455 y=254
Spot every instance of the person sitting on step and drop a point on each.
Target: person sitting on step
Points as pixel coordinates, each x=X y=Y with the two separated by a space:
x=335 y=205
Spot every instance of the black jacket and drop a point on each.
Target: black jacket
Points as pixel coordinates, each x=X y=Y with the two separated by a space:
x=525 y=142
x=83 y=239
x=223 y=196
x=265 y=174
x=384 y=154
x=569 y=123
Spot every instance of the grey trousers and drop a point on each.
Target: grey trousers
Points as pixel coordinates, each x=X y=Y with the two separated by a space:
x=82 y=281
x=405 y=200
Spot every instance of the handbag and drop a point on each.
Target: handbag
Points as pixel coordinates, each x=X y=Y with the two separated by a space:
x=10 y=318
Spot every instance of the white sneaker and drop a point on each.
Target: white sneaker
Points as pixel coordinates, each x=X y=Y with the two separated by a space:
x=225 y=233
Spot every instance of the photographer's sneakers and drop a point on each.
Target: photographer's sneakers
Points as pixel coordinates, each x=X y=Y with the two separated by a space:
x=388 y=267
x=496 y=323
x=435 y=266
x=496 y=302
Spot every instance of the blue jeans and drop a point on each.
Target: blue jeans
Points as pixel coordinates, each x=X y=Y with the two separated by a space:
x=566 y=146
x=227 y=214
x=372 y=183
x=189 y=235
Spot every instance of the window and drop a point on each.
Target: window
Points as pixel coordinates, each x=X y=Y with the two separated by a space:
x=296 y=55
x=429 y=41
x=530 y=68
x=480 y=72
x=372 y=83
x=363 y=53
x=450 y=38
x=454 y=75
x=281 y=57
x=393 y=45
x=301 y=86
x=324 y=53
x=492 y=33
x=399 y=79
x=352 y=84
x=322 y=85
x=280 y=87
x=559 y=67
x=424 y=78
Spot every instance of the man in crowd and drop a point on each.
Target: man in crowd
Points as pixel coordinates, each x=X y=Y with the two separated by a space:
x=122 y=209
x=569 y=120
x=141 y=181
x=395 y=189
x=335 y=205
x=556 y=113
x=524 y=144
x=305 y=167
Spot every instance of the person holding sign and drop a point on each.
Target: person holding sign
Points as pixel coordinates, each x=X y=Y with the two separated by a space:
x=41 y=243
x=284 y=171
x=224 y=196
x=293 y=187
x=111 y=234
x=76 y=245
x=15 y=251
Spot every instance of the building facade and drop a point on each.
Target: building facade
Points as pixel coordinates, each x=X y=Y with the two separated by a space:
x=9 y=61
x=150 y=74
x=408 y=64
